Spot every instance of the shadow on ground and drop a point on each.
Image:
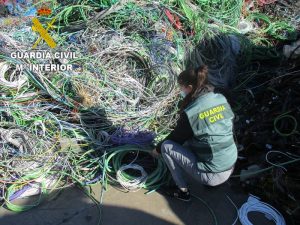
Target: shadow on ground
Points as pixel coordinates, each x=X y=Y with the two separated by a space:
x=73 y=207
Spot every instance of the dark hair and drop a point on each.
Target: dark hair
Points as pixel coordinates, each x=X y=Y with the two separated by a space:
x=195 y=77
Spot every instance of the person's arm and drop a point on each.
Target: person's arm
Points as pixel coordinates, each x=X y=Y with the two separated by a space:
x=182 y=132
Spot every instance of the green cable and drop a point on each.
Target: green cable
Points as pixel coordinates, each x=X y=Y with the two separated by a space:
x=266 y=169
x=12 y=188
x=274 y=29
x=209 y=208
x=116 y=155
x=293 y=130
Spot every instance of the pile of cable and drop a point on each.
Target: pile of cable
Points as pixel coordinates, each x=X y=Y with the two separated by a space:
x=74 y=127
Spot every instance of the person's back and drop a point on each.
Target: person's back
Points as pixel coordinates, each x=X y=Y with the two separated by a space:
x=211 y=119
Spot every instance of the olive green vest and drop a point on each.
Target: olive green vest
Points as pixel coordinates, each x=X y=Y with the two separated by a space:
x=211 y=119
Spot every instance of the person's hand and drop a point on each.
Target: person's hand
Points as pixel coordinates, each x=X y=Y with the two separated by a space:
x=154 y=153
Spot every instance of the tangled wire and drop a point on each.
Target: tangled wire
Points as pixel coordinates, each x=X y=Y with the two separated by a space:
x=96 y=122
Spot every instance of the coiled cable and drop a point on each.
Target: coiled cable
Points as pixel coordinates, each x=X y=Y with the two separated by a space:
x=255 y=205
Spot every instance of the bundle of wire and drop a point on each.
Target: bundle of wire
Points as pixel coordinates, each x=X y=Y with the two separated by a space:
x=134 y=183
x=254 y=205
x=115 y=167
x=122 y=137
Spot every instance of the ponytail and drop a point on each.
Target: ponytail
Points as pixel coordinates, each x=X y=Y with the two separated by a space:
x=202 y=81
x=198 y=78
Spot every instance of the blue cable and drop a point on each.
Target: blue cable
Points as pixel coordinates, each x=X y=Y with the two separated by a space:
x=255 y=205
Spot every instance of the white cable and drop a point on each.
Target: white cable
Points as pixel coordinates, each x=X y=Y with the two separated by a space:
x=134 y=184
x=279 y=152
x=245 y=26
x=13 y=84
x=237 y=210
x=19 y=139
x=254 y=205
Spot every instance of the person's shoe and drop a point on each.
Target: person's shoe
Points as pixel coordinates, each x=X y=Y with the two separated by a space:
x=177 y=193
x=181 y=195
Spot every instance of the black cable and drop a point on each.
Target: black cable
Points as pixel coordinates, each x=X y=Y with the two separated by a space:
x=293 y=52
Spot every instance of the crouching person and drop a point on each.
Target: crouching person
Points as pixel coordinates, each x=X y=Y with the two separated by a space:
x=202 y=143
